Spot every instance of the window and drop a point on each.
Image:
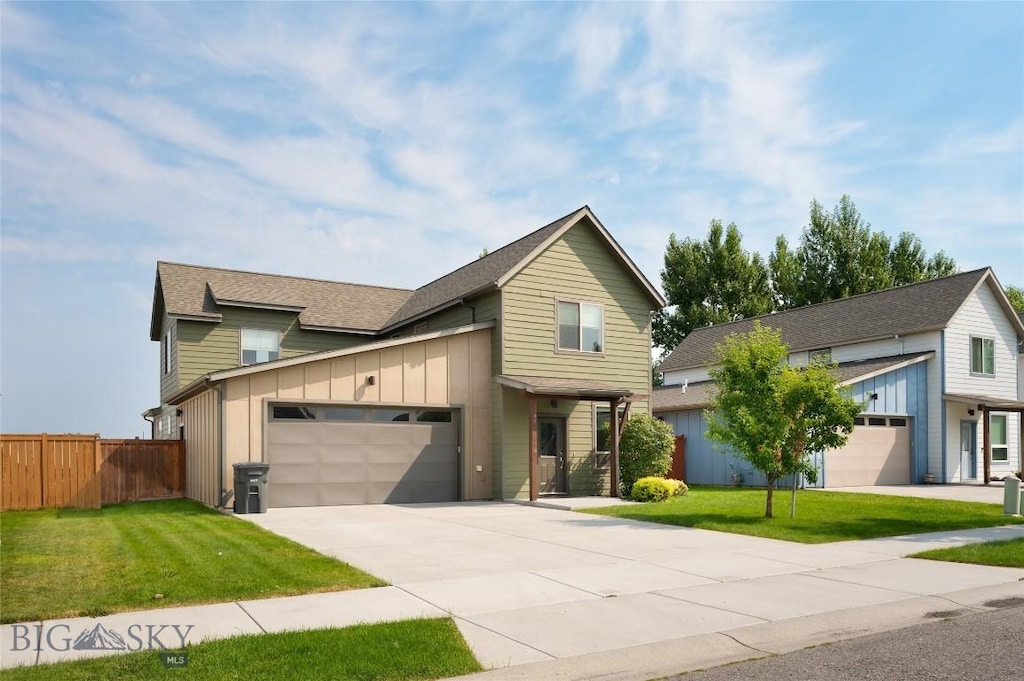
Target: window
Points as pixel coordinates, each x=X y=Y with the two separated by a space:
x=602 y=433
x=859 y=421
x=983 y=356
x=342 y=414
x=259 y=346
x=167 y=353
x=821 y=355
x=389 y=415
x=293 y=413
x=874 y=421
x=580 y=327
x=434 y=417
x=997 y=437
x=900 y=423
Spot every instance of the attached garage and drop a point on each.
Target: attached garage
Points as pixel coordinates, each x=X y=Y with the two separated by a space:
x=327 y=455
x=877 y=453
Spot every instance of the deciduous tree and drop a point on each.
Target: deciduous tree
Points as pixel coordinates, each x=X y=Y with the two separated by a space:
x=774 y=415
x=710 y=281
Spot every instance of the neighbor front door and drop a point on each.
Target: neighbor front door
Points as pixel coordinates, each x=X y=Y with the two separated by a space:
x=551 y=459
x=968 y=461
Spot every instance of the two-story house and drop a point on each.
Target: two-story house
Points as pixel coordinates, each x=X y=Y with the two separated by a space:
x=490 y=382
x=936 y=365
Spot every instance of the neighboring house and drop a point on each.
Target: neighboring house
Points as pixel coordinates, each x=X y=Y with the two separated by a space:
x=491 y=382
x=936 y=364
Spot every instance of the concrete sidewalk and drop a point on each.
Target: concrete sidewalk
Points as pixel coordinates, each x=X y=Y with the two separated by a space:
x=697 y=594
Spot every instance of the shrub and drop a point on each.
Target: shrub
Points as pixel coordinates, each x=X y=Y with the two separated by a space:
x=645 y=449
x=653 y=488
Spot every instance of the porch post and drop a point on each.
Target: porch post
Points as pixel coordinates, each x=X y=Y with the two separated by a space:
x=613 y=445
x=531 y=410
x=986 y=445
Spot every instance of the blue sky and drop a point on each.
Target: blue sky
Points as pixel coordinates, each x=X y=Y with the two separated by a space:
x=390 y=143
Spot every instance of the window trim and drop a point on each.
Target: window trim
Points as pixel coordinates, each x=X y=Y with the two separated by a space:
x=1003 y=446
x=558 y=323
x=167 y=352
x=241 y=344
x=595 y=411
x=984 y=340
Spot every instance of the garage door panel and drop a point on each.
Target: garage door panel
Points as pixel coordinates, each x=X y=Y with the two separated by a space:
x=874 y=455
x=334 y=463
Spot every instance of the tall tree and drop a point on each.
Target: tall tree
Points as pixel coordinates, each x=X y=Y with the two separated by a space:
x=710 y=281
x=774 y=415
x=1016 y=296
x=839 y=255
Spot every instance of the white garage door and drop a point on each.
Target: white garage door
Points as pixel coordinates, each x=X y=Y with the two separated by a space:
x=877 y=453
x=332 y=455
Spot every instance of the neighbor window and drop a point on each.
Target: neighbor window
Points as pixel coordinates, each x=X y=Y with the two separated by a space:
x=983 y=356
x=260 y=346
x=821 y=355
x=997 y=436
x=293 y=413
x=580 y=327
x=167 y=352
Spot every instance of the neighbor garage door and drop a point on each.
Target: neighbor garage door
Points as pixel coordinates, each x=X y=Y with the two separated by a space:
x=323 y=455
x=877 y=453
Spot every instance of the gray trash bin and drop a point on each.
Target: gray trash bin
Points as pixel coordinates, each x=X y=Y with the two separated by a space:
x=251 y=487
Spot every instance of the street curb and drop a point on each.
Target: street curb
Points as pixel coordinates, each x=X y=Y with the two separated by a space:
x=693 y=653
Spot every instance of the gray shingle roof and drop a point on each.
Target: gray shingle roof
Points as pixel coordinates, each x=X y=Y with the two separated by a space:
x=699 y=394
x=915 y=308
x=194 y=291
x=475 y=276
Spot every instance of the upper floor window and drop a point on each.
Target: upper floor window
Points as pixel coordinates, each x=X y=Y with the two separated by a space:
x=983 y=356
x=167 y=353
x=580 y=327
x=820 y=355
x=259 y=346
x=997 y=437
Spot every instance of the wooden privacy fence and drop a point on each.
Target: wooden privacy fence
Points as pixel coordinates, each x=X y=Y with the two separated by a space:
x=84 y=471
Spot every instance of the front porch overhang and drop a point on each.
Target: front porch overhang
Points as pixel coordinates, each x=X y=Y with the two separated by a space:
x=537 y=387
x=986 y=404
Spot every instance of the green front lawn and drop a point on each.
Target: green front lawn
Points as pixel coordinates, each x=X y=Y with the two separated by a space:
x=1009 y=553
x=69 y=563
x=413 y=649
x=820 y=516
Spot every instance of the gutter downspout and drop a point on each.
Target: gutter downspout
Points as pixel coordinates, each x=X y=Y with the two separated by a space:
x=942 y=429
x=223 y=494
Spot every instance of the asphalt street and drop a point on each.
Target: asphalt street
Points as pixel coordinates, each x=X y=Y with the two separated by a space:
x=986 y=646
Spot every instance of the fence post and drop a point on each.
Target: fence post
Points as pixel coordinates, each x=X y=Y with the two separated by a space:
x=45 y=470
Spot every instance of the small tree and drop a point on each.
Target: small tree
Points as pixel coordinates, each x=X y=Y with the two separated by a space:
x=644 y=449
x=774 y=415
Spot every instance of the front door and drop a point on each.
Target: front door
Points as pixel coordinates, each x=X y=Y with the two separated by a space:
x=968 y=460
x=551 y=457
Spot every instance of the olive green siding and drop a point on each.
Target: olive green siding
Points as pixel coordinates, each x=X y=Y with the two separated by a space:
x=577 y=267
x=169 y=380
x=204 y=347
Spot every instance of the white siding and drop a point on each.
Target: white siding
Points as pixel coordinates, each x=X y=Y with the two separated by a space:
x=981 y=315
x=690 y=375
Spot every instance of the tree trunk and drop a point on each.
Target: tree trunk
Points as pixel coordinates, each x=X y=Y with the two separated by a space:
x=792 y=498
x=771 y=488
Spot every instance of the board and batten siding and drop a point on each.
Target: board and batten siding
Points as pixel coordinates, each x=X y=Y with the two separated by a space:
x=204 y=347
x=449 y=371
x=577 y=267
x=201 y=417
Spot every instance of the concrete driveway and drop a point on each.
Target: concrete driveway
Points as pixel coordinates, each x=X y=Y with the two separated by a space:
x=527 y=584
x=991 y=493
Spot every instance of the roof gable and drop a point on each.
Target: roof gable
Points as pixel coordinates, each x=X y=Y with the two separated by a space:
x=198 y=293
x=915 y=308
x=194 y=292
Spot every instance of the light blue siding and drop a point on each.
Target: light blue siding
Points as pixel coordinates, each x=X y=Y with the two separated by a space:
x=903 y=392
